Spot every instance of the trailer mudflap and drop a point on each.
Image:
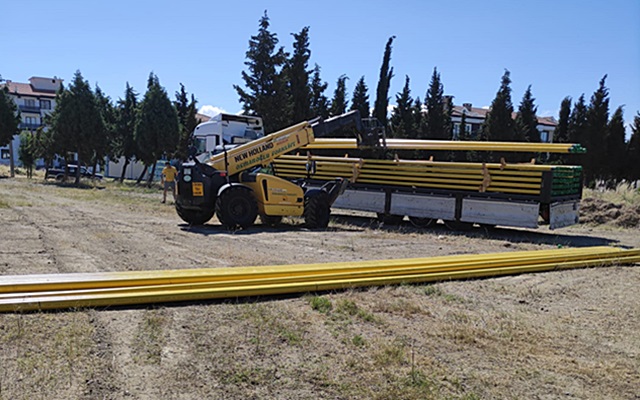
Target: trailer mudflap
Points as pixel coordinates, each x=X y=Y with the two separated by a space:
x=564 y=213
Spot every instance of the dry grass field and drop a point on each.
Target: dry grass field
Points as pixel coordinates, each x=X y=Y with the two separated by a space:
x=572 y=334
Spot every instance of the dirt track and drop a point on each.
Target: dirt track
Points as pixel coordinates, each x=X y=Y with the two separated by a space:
x=573 y=334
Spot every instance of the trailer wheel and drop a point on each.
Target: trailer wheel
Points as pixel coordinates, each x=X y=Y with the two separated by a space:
x=236 y=207
x=316 y=209
x=390 y=219
x=458 y=225
x=271 y=220
x=194 y=217
x=421 y=222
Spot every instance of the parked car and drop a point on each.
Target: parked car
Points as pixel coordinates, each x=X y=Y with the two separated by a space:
x=58 y=173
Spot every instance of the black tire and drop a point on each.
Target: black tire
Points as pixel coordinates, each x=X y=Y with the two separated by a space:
x=271 y=220
x=390 y=219
x=236 y=207
x=317 y=210
x=421 y=222
x=194 y=217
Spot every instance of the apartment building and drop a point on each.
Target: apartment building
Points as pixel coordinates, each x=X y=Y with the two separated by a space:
x=474 y=118
x=35 y=100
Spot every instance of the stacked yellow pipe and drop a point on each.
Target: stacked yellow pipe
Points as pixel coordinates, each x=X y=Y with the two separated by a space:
x=453 y=145
x=40 y=292
x=492 y=177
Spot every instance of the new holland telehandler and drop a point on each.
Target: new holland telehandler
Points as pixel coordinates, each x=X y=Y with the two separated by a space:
x=235 y=184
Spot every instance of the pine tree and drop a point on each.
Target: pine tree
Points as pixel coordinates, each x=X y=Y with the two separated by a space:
x=402 y=116
x=9 y=117
x=499 y=125
x=157 y=130
x=438 y=114
x=266 y=91
x=615 y=148
x=76 y=123
x=596 y=132
x=102 y=141
x=319 y=102
x=126 y=117
x=298 y=76
x=27 y=152
x=384 y=83
x=419 y=119
x=633 y=152
x=339 y=101
x=526 y=123
x=360 y=100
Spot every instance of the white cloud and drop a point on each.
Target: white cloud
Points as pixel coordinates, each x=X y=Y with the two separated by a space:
x=210 y=110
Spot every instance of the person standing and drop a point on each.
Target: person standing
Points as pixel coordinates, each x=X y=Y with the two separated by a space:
x=169 y=174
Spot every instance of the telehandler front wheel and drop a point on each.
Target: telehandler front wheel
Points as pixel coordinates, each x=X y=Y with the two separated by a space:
x=236 y=207
x=194 y=217
x=316 y=209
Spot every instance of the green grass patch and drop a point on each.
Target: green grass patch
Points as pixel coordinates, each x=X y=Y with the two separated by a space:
x=321 y=304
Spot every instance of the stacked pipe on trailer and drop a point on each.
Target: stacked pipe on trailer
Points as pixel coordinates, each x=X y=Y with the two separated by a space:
x=492 y=177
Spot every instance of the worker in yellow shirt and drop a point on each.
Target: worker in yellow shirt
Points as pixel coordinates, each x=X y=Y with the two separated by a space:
x=169 y=174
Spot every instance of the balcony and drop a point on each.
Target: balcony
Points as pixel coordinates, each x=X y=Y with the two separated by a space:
x=28 y=127
x=30 y=109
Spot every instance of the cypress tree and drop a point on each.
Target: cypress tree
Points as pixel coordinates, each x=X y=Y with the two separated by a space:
x=438 y=114
x=103 y=140
x=27 y=152
x=157 y=130
x=526 y=123
x=615 y=148
x=319 y=102
x=402 y=116
x=360 y=100
x=266 y=92
x=298 y=76
x=561 y=133
x=499 y=125
x=126 y=117
x=596 y=132
x=339 y=101
x=384 y=82
x=187 y=119
x=633 y=152
x=419 y=119
x=578 y=123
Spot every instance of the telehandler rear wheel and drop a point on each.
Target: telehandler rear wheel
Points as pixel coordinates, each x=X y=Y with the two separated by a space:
x=236 y=207
x=193 y=217
x=316 y=209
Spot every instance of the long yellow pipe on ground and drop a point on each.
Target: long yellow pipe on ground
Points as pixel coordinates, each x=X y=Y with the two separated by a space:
x=273 y=280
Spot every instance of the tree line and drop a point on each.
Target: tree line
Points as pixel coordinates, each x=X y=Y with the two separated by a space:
x=86 y=127
x=284 y=90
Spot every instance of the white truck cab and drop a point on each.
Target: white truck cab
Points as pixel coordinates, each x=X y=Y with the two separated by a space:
x=227 y=129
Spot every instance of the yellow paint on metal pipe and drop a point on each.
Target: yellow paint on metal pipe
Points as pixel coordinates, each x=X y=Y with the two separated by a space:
x=273 y=280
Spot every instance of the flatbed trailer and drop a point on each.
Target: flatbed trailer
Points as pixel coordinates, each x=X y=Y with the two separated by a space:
x=460 y=194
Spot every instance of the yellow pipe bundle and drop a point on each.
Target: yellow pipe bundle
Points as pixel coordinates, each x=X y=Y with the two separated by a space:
x=40 y=292
x=453 y=145
x=491 y=177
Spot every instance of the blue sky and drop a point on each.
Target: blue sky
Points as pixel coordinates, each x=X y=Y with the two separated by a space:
x=561 y=48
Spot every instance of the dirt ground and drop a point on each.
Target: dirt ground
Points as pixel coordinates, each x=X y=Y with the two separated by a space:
x=569 y=334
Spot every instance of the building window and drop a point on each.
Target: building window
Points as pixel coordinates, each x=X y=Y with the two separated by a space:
x=4 y=154
x=45 y=104
x=544 y=136
x=30 y=103
x=30 y=120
